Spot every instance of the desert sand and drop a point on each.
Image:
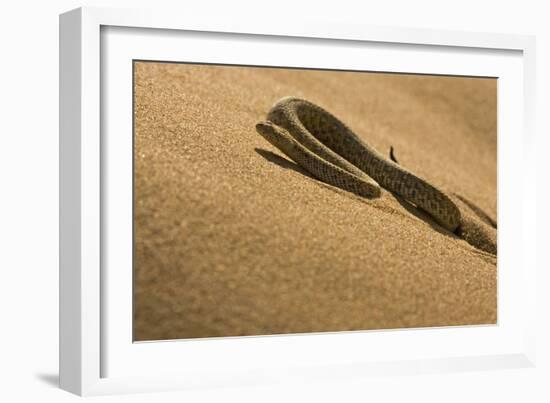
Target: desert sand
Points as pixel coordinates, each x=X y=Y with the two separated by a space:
x=232 y=238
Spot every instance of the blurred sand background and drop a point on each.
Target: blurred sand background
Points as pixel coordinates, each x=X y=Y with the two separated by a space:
x=232 y=238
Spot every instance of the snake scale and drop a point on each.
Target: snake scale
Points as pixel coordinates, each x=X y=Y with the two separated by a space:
x=328 y=149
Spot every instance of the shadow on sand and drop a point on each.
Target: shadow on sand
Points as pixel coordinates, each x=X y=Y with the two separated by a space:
x=282 y=162
x=410 y=208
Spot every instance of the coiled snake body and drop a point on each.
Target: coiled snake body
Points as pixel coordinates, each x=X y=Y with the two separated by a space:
x=328 y=149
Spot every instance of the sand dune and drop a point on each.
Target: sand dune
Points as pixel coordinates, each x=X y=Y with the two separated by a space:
x=232 y=238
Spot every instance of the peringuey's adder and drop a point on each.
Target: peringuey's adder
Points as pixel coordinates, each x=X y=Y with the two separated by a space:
x=328 y=149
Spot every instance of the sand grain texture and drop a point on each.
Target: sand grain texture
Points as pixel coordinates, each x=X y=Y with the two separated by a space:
x=234 y=239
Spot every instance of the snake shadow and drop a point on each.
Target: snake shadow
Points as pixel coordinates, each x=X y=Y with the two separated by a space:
x=423 y=216
x=482 y=215
x=283 y=162
x=409 y=207
x=287 y=164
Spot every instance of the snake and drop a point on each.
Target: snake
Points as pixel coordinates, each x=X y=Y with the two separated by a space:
x=329 y=150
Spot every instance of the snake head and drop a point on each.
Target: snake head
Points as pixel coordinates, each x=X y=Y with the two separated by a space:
x=264 y=127
x=270 y=132
x=280 y=138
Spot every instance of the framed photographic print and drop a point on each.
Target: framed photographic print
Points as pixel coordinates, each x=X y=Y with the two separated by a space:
x=245 y=202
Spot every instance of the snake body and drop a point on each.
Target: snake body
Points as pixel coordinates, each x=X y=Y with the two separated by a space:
x=328 y=149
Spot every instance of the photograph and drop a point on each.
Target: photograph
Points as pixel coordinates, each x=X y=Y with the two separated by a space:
x=274 y=200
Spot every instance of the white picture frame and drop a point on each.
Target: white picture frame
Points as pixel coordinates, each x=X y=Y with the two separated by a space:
x=93 y=350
